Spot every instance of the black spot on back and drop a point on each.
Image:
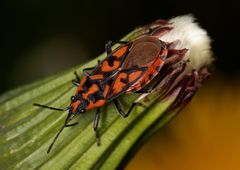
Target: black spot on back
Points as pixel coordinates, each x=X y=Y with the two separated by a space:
x=88 y=83
x=111 y=60
x=96 y=96
x=125 y=81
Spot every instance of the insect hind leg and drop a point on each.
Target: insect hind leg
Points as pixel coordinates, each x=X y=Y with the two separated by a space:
x=121 y=109
x=73 y=124
x=95 y=125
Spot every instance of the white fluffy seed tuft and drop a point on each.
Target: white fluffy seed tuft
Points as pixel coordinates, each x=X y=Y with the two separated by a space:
x=192 y=37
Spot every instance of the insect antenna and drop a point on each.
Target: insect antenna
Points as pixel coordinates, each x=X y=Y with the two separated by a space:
x=69 y=118
x=54 y=140
x=52 y=108
x=65 y=124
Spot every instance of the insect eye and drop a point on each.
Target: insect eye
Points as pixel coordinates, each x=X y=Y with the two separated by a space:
x=82 y=110
x=73 y=98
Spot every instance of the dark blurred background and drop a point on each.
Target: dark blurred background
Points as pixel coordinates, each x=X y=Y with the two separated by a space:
x=40 y=38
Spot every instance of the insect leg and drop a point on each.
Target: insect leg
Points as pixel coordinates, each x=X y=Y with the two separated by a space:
x=95 y=125
x=77 y=80
x=85 y=73
x=75 y=83
x=85 y=70
x=109 y=44
x=96 y=119
x=77 y=76
x=73 y=124
x=121 y=109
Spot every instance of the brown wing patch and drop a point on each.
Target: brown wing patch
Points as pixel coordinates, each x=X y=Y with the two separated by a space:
x=143 y=52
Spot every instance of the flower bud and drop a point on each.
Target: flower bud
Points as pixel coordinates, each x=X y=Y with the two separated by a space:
x=189 y=56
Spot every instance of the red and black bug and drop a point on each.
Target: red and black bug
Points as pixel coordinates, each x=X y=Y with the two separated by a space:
x=127 y=69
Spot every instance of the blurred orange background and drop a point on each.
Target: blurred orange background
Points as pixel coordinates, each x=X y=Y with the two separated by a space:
x=205 y=135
